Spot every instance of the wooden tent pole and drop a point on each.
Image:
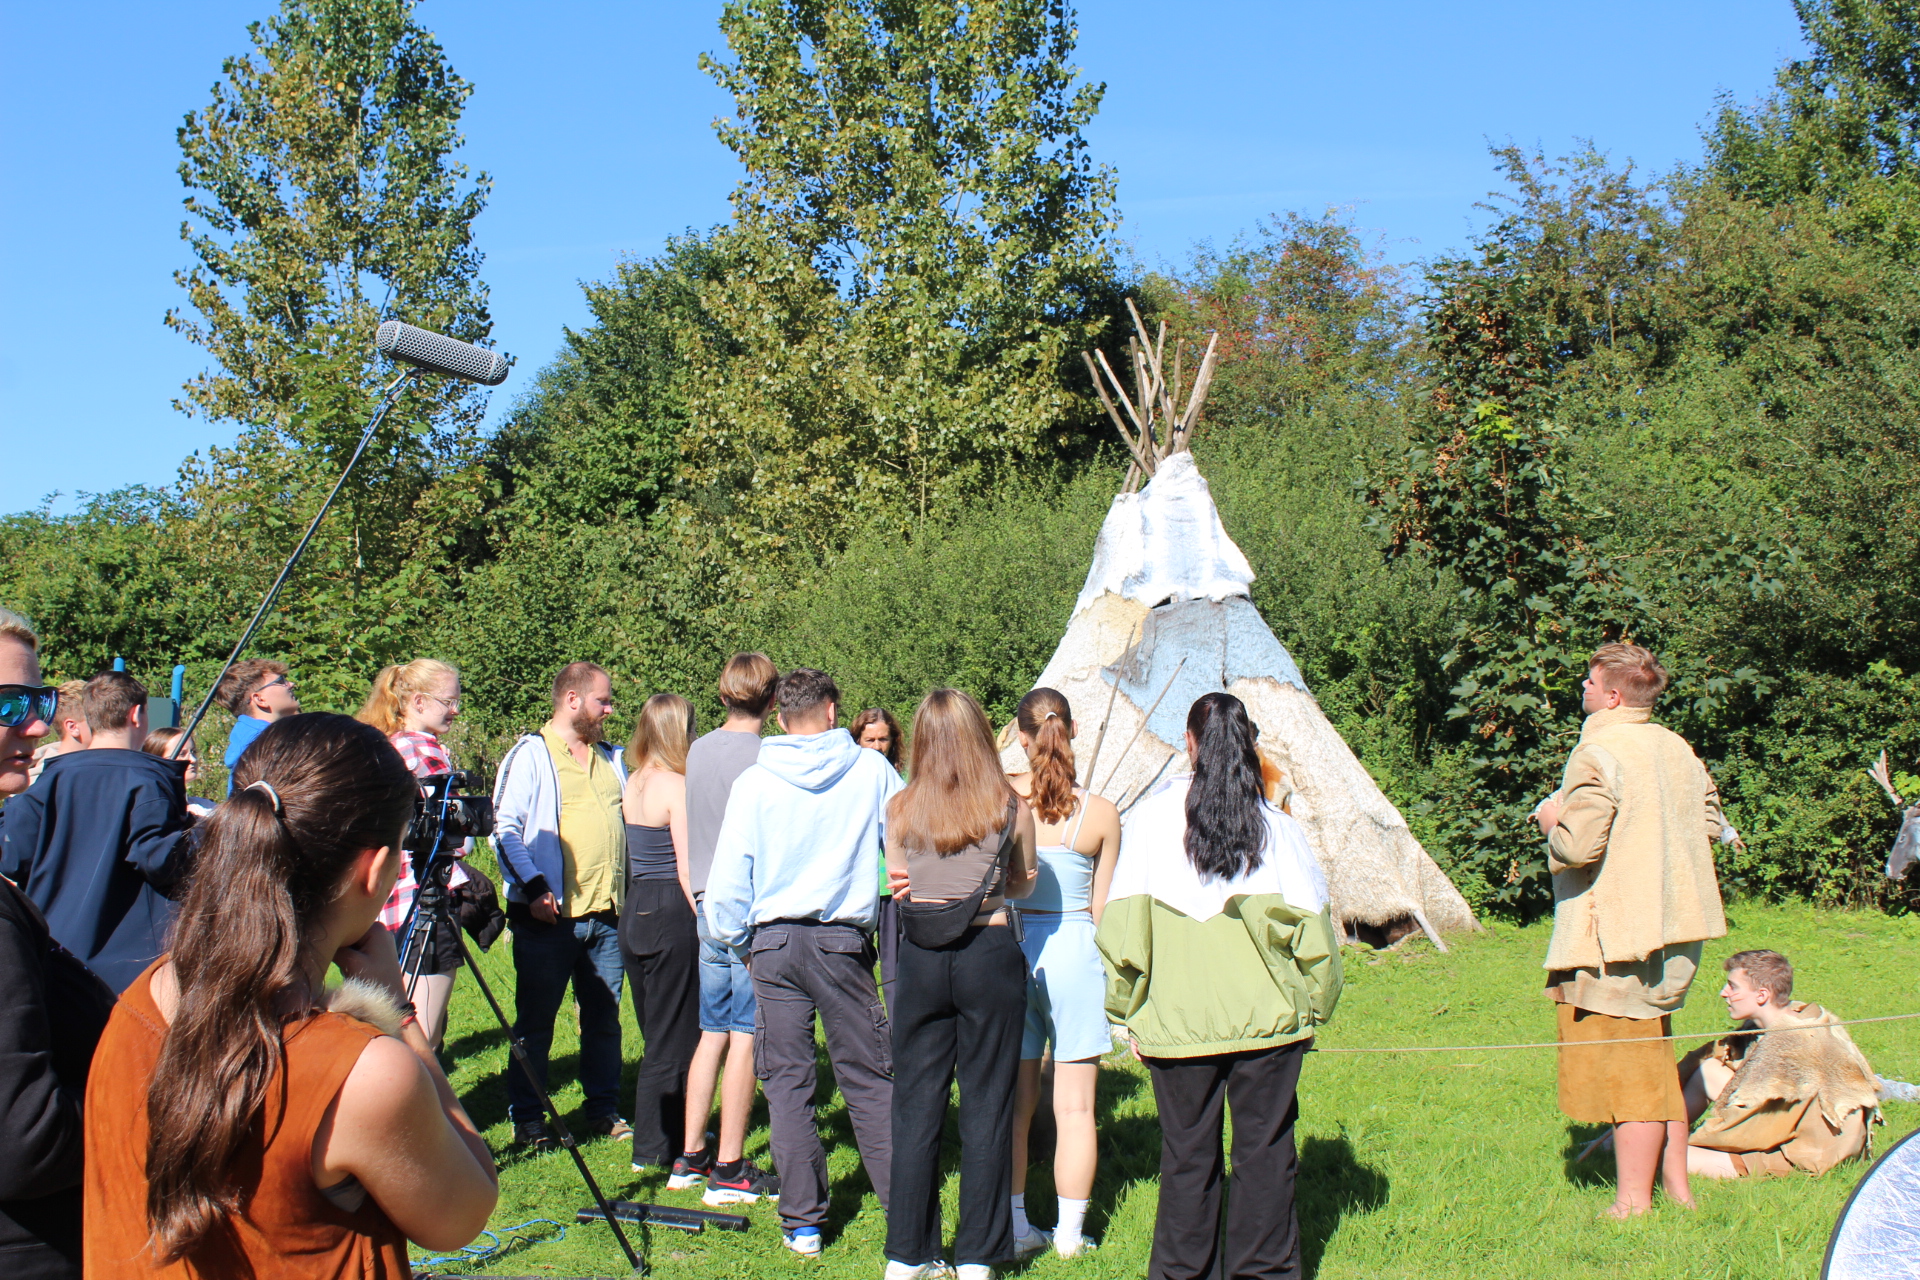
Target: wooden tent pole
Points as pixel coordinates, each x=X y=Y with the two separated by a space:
x=1107 y=719
x=1143 y=722
x=1139 y=460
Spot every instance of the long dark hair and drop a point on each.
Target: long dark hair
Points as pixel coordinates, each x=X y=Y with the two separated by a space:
x=265 y=875
x=1226 y=829
x=1047 y=720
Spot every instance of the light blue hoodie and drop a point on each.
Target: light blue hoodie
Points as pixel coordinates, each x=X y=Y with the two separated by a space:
x=802 y=836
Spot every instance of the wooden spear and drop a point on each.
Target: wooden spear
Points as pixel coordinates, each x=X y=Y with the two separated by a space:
x=1101 y=736
x=1143 y=723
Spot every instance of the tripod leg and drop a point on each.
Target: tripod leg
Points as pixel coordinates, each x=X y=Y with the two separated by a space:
x=567 y=1139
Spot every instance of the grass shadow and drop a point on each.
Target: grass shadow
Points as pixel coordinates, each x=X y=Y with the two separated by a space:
x=1597 y=1169
x=1332 y=1183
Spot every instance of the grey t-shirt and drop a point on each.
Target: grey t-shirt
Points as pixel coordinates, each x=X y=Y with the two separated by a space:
x=713 y=763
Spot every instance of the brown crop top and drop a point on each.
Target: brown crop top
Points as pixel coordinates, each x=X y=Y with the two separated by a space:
x=933 y=878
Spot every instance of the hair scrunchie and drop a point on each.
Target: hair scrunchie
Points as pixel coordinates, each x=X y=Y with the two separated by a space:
x=272 y=795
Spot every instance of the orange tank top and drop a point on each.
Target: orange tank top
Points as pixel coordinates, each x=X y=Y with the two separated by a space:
x=285 y=1227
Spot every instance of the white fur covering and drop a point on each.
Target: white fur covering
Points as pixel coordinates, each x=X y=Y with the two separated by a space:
x=373 y=1005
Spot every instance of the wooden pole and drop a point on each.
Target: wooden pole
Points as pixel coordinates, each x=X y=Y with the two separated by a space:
x=1101 y=736
x=1143 y=723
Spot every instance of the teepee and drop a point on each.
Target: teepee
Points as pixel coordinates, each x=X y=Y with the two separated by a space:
x=1165 y=617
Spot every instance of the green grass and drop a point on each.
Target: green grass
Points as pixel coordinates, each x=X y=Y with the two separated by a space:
x=1412 y=1165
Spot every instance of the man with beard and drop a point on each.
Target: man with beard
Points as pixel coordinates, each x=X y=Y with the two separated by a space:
x=561 y=840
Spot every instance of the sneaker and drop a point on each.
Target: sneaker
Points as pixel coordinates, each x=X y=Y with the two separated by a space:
x=1034 y=1241
x=973 y=1271
x=535 y=1134
x=935 y=1270
x=745 y=1187
x=607 y=1127
x=690 y=1169
x=1075 y=1249
x=805 y=1241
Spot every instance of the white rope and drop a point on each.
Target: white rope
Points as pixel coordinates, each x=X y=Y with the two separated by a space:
x=1564 y=1044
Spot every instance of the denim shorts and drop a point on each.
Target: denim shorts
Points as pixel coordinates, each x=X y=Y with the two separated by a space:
x=726 y=990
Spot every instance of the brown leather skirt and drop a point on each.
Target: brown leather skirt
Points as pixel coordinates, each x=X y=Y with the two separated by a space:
x=1603 y=1082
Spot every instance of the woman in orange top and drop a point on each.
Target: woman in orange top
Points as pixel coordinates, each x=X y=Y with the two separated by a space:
x=241 y=1120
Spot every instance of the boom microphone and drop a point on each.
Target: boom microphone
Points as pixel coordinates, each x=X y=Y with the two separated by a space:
x=441 y=354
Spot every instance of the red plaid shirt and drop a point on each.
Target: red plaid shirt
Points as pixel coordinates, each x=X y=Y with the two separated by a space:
x=425 y=757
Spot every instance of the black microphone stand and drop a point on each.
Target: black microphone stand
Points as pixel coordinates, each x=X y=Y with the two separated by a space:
x=387 y=399
x=429 y=914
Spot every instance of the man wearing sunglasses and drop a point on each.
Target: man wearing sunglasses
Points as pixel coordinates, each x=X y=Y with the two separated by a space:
x=26 y=706
x=258 y=692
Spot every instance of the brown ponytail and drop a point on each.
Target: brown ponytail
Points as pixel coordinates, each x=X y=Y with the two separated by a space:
x=1047 y=720
x=269 y=864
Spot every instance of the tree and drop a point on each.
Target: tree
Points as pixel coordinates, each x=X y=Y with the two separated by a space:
x=323 y=199
x=921 y=250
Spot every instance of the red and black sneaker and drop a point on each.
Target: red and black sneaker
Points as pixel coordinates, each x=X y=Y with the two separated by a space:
x=689 y=1169
x=740 y=1183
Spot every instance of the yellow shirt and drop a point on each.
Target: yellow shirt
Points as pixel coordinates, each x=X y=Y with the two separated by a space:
x=593 y=835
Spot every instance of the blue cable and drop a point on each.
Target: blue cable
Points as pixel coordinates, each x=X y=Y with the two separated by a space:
x=481 y=1253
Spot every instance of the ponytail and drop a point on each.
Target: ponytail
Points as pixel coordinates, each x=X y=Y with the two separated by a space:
x=386 y=705
x=311 y=793
x=1226 y=827
x=1047 y=720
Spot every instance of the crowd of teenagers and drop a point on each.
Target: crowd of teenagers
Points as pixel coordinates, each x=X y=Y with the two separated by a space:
x=182 y=1092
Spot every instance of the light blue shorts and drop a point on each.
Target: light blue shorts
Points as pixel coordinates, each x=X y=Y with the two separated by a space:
x=726 y=989
x=1067 y=993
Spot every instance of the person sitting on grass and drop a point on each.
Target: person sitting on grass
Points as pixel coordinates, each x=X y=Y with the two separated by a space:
x=1801 y=1099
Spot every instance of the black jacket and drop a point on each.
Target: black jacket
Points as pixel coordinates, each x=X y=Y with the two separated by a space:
x=52 y=1011
x=100 y=844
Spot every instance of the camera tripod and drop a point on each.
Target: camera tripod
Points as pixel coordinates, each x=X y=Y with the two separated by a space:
x=427 y=916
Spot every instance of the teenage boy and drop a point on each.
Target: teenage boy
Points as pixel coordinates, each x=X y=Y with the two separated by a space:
x=258 y=692
x=100 y=841
x=70 y=723
x=562 y=849
x=793 y=889
x=714 y=762
x=1629 y=841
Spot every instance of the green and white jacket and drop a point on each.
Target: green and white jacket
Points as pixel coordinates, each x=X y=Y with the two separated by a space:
x=1200 y=966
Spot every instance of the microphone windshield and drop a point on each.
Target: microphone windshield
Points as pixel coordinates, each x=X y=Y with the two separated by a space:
x=441 y=354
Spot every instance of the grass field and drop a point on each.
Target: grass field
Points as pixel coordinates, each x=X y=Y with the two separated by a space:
x=1411 y=1165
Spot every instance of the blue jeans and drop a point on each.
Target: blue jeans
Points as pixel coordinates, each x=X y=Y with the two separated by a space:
x=585 y=951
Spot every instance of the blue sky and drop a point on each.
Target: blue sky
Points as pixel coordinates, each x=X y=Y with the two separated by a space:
x=595 y=123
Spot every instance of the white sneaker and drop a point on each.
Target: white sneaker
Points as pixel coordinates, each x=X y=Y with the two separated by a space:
x=973 y=1271
x=1074 y=1249
x=1034 y=1241
x=805 y=1242
x=935 y=1270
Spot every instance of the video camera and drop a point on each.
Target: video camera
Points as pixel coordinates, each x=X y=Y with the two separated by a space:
x=442 y=816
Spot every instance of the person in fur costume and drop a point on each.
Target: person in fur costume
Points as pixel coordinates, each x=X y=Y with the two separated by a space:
x=1802 y=1100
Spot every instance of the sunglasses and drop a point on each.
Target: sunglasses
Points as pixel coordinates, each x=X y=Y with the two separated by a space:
x=24 y=703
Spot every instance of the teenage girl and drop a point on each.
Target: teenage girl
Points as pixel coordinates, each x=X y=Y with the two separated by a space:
x=658 y=939
x=1078 y=841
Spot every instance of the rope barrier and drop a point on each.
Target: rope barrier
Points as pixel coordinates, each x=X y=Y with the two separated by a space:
x=1559 y=1044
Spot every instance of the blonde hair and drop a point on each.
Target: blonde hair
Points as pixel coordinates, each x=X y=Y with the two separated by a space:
x=958 y=794
x=662 y=733
x=1634 y=671
x=12 y=624
x=395 y=687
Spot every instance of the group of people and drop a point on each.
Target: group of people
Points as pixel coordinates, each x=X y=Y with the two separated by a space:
x=189 y=1096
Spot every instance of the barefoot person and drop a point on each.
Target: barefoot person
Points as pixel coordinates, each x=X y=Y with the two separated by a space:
x=1802 y=1100
x=243 y=1120
x=1629 y=838
x=1078 y=838
x=1221 y=961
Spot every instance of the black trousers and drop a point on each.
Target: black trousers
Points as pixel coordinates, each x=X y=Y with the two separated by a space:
x=661 y=951
x=958 y=1009
x=1262 y=1237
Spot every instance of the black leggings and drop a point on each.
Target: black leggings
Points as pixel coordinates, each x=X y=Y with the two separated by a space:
x=661 y=950
x=958 y=1009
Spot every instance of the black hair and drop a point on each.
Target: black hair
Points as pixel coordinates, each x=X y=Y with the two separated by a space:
x=804 y=688
x=1226 y=829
